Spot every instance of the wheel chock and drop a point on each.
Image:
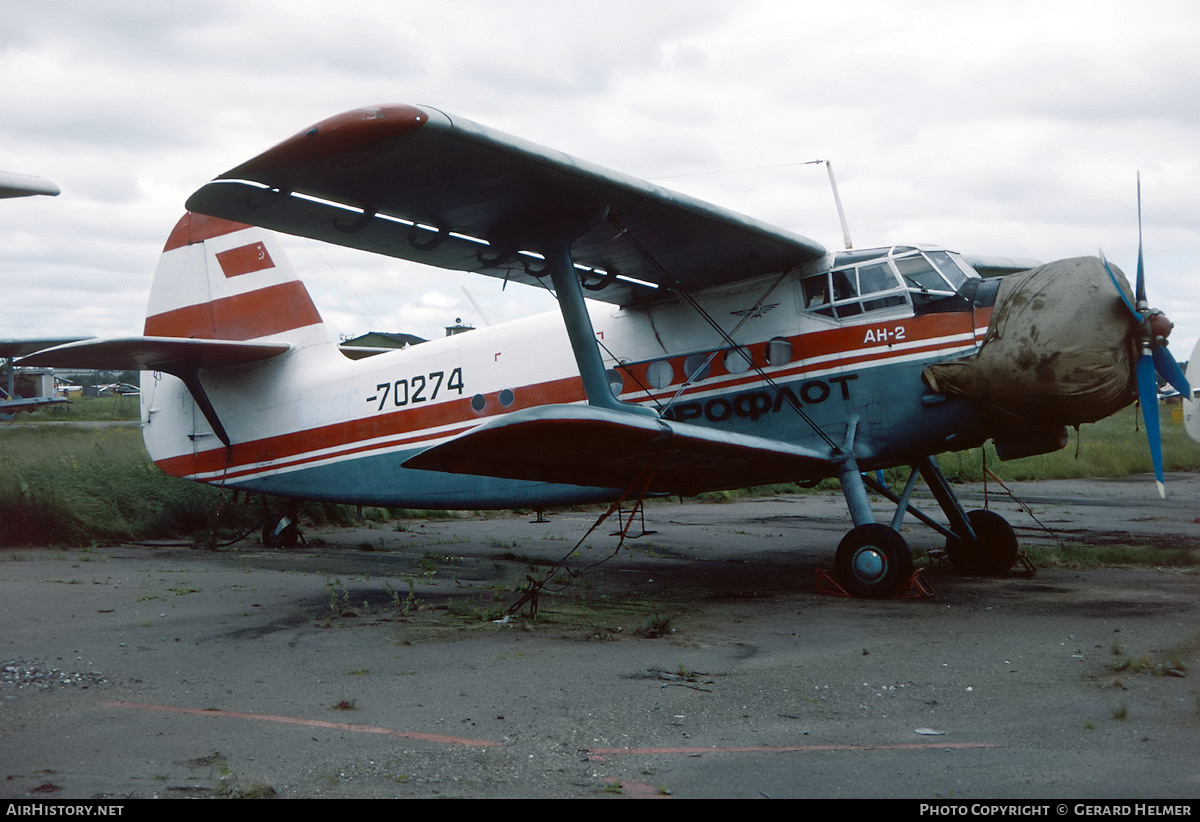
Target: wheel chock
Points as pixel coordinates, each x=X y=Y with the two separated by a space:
x=826 y=584
x=916 y=587
x=1026 y=564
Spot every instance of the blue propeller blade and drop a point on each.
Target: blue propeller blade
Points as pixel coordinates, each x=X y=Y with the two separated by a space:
x=1165 y=364
x=1147 y=385
x=1117 y=285
x=1140 y=292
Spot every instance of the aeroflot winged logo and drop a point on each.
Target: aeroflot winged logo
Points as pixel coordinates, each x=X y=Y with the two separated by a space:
x=753 y=313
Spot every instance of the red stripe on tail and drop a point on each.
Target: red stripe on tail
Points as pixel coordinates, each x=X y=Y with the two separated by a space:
x=261 y=313
x=196 y=228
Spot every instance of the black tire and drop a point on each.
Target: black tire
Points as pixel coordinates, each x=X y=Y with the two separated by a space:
x=280 y=532
x=995 y=548
x=873 y=561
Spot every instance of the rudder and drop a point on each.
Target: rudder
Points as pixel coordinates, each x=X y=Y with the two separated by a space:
x=222 y=280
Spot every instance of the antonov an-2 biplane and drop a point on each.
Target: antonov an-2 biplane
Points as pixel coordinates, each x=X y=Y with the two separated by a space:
x=696 y=348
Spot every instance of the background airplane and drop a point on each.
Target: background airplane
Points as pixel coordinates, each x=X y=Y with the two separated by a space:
x=695 y=348
x=10 y=403
x=24 y=185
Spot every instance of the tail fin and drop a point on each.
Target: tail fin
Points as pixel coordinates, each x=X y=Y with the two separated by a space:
x=222 y=280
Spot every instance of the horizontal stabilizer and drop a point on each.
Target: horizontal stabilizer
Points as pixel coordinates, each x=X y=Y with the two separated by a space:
x=596 y=447
x=154 y=354
x=20 y=347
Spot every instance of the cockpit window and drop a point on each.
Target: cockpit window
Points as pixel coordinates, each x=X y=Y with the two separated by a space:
x=869 y=280
x=919 y=272
x=844 y=286
x=816 y=290
x=877 y=277
x=949 y=268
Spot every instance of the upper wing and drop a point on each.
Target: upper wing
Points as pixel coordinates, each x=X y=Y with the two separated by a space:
x=999 y=266
x=415 y=183
x=598 y=447
x=154 y=354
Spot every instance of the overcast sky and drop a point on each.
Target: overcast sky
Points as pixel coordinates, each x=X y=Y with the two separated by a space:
x=1013 y=128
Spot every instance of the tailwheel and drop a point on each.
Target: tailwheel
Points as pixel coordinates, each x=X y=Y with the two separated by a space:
x=873 y=561
x=994 y=550
x=280 y=532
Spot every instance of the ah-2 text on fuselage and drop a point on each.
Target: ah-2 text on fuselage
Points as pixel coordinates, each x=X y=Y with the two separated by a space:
x=695 y=349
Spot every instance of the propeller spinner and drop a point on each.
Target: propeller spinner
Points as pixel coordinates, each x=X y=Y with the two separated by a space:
x=1151 y=332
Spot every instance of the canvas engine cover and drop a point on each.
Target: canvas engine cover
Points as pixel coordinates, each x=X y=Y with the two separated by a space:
x=1058 y=350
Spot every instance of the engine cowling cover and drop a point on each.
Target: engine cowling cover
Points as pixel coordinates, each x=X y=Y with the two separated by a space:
x=1059 y=349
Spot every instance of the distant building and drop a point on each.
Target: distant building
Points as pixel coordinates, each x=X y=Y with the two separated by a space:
x=375 y=342
x=458 y=328
x=39 y=382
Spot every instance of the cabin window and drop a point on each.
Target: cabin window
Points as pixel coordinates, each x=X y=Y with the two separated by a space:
x=779 y=351
x=615 y=382
x=506 y=397
x=737 y=360
x=660 y=374
x=696 y=367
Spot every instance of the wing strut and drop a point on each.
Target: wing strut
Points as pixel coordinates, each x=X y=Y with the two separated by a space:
x=580 y=331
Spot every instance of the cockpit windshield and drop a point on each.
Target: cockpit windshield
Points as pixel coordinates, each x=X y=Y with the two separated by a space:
x=870 y=280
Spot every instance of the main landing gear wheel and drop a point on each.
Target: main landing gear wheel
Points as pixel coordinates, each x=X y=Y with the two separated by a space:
x=873 y=561
x=995 y=548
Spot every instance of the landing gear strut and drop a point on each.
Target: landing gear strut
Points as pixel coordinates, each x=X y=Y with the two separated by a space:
x=978 y=542
x=994 y=549
x=872 y=560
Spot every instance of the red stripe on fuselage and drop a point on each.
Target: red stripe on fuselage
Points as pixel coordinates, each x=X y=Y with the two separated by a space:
x=248 y=316
x=366 y=434
x=411 y=425
x=847 y=346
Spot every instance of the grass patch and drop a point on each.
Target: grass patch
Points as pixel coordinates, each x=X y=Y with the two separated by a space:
x=1112 y=447
x=63 y=485
x=73 y=486
x=1075 y=555
x=86 y=409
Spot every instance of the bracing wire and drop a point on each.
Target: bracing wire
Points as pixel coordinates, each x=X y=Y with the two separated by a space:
x=672 y=283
